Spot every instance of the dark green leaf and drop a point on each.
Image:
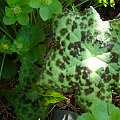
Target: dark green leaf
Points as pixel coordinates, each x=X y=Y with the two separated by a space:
x=9 y=20
x=23 y=19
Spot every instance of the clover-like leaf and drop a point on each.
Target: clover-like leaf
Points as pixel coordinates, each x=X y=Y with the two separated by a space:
x=47 y=7
x=84 y=58
x=17 y=11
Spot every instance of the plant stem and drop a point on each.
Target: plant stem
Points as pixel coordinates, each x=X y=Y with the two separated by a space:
x=81 y=3
x=34 y=18
x=1 y=69
x=6 y=33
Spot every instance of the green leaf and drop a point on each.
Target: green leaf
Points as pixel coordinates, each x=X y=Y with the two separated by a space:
x=9 y=20
x=32 y=34
x=11 y=3
x=26 y=9
x=5 y=46
x=9 y=70
x=23 y=19
x=52 y=97
x=56 y=7
x=8 y=12
x=35 y=3
x=45 y=12
x=115 y=115
x=41 y=49
x=86 y=116
x=84 y=59
x=99 y=110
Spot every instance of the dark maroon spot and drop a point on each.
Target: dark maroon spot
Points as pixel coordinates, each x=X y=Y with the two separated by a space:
x=66 y=59
x=88 y=90
x=60 y=64
x=49 y=73
x=68 y=36
x=70 y=46
x=77 y=77
x=63 y=31
x=90 y=22
x=83 y=36
x=74 y=26
x=61 y=51
x=116 y=77
x=61 y=77
x=68 y=21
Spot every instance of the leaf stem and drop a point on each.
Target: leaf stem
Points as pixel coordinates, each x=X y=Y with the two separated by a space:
x=6 y=33
x=1 y=69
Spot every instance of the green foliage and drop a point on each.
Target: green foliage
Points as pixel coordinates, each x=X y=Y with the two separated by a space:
x=5 y=46
x=24 y=27
x=85 y=59
x=47 y=7
x=101 y=111
x=9 y=70
x=105 y=2
x=17 y=11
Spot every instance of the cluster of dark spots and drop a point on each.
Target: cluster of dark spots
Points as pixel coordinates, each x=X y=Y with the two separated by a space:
x=88 y=82
x=77 y=77
x=60 y=64
x=85 y=74
x=108 y=97
x=74 y=53
x=50 y=81
x=88 y=103
x=83 y=13
x=114 y=57
x=63 y=31
x=102 y=89
x=75 y=86
x=74 y=26
x=68 y=36
x=117 y=31
x=88 y=91
x=82 y=25
x=58 y=38
x=61 y=77
x=66 y=59
x=53 y=56
x=100 y=85
x=90 y=21
x=116 y=77
x=102 y=97
x=63 y=43
x=81 y=84
x=56 y=23
x=98 y=94
x=77 y=18
x=68 y=77
x=83 y=36
x=106 y=77
x=68 y=21
x=70 y=46
x=77 y=45
x=61 y=51
x=107 y=34
x=48 y=72
x=107 y=70
x=84 y=18
x=108 y=89
x=50 y=68
x=78 y=69
x=89 y=33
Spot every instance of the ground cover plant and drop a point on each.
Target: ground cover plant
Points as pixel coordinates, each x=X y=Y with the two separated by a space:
x=47 y=50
